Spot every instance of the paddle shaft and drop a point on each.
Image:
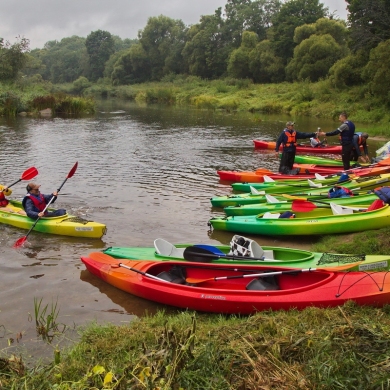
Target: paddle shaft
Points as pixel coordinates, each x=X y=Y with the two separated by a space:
x=142 y=273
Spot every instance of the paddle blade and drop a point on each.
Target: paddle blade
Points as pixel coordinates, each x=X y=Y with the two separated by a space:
x=301 y=205
x=20 y=242
x=199 y=254
x=196 y=281
x=29 y=173
x=73 y=170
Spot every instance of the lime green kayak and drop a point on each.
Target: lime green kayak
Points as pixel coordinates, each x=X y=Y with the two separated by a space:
x=285 y=204
x=65 y=225
x=317 y=221
x=286 y=257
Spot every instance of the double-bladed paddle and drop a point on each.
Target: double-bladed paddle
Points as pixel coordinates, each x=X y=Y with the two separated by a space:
x=266 y=274
x=22 y=240
x=201 y=255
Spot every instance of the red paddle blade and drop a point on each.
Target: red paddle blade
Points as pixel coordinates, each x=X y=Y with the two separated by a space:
x=29 y=173
x=73 y=170
x=20 y=242
x=302 y=205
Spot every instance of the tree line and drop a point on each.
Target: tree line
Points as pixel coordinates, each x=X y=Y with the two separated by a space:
x=265 y=41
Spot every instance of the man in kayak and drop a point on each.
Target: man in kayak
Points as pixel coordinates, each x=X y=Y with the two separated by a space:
x=288 y=138
x=346 y=131
x=360 y=139
x=34 y=203
x=315 y=142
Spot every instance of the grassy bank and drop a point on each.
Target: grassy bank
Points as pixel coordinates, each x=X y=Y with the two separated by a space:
x=320 y=99
x=340 y=348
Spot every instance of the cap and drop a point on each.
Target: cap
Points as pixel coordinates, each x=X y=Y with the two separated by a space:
x=32 y=186
x=290 y=123
x=343 y=177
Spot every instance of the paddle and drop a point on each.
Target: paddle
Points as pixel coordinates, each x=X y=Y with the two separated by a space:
x=22 y=240
x=199 y=254
x=28 y=174
x=301 y=205
x=266 y=274
x=139 y=272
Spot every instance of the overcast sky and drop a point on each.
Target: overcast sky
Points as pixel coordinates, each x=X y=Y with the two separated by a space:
x=41 y=21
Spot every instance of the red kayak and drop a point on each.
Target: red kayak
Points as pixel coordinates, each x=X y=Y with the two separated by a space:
x=258 y=175
x=232 y=289
x=335 y=149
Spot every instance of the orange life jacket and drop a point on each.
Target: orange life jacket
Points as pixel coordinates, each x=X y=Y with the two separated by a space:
x=291 y=137
x=3 y=201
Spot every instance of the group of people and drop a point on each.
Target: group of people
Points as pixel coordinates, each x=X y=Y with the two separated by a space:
x=34 y=203
x=350 y=141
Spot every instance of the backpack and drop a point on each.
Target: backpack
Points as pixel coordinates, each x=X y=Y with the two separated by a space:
x=339 y=192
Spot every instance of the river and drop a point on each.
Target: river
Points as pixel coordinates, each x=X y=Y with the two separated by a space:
x=144 y=171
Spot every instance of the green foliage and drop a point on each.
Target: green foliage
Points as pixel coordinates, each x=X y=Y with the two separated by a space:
x=369 y=22
x=376 y=71
x=100 y=45
x=10 y=104
x=13 y=58
x=81 y=84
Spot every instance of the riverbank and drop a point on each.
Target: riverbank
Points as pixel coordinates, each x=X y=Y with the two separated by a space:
x=342 y=348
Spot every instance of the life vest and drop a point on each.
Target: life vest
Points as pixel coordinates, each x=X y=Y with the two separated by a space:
x=291 y=138
x=3 y=201
x=383 y=193
x=361 y=140
x=339 y=192
x=347 y=135
x=40 y=203
x=315 y=142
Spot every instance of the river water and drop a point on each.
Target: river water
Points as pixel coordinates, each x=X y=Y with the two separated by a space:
x=144 y=171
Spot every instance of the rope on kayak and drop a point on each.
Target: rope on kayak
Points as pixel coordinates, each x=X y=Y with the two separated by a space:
x=328 y=258
x=76 y=220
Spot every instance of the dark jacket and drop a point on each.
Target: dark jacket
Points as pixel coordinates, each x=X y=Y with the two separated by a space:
x=346 y=131
x=30 y=208
x=283 y=139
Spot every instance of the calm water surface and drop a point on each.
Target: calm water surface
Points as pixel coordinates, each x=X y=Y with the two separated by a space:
x=146 y=172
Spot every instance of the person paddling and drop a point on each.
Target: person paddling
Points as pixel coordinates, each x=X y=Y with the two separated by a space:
x=34 y=203
x=4 y=191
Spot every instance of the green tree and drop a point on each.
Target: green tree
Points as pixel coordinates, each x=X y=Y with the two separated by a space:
x=163 y=41
x=13 y=58
x=369 y=22
x=265 y=65
x=238 y=66
x=100 y=45
x=207 y=50
x=376 y=72
x=315 y=53
x=292 y=14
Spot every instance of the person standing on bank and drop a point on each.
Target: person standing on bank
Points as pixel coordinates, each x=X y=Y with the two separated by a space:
x=288 y=139
x=346 y=131
x=34 y=203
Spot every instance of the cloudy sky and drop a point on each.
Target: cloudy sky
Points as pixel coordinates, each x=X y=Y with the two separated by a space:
x=45 y=20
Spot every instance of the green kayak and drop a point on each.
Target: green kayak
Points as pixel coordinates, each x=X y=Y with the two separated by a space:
x=265 y=255
x=332 y=220
x=285 y=205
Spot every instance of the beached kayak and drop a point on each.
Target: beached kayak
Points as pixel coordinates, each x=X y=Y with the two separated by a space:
x=232 y=289
x=256 y=255
x=65 y=225
x=321 y=220
x=285 y=205
x=335 y=149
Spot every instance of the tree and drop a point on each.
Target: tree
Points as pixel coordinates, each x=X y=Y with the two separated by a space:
x=13 y=58
x=292 y=14
x=207 y=50
x=100 y=45
x=163 y=40
x=369 y=22
x=376 y=72
x=319 y=46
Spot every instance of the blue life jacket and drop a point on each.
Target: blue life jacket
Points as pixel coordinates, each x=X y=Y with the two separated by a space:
x=339 y=192
x=383 y=193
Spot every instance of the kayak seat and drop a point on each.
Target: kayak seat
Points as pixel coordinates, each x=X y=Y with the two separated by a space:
x=165 y=248
x=271 y=215
x=337 y=209
x=263 y=284
x=257 y=251
x=175 y=275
